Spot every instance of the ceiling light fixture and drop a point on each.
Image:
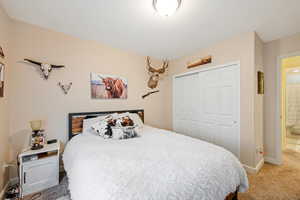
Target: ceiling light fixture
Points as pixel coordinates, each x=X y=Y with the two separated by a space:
x=166 y=7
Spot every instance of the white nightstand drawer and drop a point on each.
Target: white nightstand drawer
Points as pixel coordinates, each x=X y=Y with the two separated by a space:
x=53 y=159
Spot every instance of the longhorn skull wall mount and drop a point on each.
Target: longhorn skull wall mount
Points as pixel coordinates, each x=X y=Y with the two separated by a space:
x=65 y=87
x=155 y=73
x=44 y=68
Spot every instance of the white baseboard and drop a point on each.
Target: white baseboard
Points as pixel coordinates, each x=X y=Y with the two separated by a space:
x=11 y=182
x=272 y=161
x=255 y=170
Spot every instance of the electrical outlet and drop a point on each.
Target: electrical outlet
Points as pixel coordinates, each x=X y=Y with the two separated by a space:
x=259 y=150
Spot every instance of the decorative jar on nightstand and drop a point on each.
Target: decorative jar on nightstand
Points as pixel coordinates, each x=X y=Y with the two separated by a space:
x=39 y=169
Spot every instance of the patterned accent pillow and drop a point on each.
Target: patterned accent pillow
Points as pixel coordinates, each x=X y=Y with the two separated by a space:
x=136 y=120
x=102 y=129
x=116 y=128
x=121 y=133
x=88 y=123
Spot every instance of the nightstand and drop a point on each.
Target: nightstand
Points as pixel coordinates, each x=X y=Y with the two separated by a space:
x=39 y=169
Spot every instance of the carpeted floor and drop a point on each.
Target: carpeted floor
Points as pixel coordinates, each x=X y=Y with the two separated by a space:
x=59 y=192
x=271 y=183
x=276 y=182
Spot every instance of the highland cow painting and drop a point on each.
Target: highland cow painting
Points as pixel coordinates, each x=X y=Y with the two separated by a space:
x=108 y=87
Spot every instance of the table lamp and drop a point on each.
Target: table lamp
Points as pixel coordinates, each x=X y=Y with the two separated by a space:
x=37 y=138
x=36 y=126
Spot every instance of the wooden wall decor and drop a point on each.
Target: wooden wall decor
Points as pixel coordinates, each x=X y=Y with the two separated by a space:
x=260 y=83
x=149 y=93
x=202 y=61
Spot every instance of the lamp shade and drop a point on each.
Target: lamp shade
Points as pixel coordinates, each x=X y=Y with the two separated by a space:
x=36 y=125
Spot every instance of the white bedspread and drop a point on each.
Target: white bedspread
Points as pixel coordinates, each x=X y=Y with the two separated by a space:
x=159 y=165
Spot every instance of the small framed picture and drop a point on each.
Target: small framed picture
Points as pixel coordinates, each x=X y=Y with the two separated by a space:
x=2 y=67
x=260 y=83
x=1 y=53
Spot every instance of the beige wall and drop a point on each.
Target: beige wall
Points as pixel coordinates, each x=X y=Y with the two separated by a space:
x=240 y=48
x=35 y=98
x=4 y=129
x=272 y=51
x=258 y=101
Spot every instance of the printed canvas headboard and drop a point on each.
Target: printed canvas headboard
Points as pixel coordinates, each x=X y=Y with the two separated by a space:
x=76 y=119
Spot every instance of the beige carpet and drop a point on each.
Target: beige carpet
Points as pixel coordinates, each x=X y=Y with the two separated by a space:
x=276 y=182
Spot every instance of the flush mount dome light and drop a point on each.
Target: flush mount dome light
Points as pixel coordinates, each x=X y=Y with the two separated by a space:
x=166 y=7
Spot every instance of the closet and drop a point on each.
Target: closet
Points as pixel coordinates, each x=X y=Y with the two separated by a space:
x=206 y=105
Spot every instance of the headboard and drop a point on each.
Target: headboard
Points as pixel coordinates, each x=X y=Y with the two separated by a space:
x=76 y=119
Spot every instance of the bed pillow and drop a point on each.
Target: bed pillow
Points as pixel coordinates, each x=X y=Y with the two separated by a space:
x=102 y=128
x=120 y=133
x=121 y=127
x=126 y=114
x=87 y=124
x=136 y=120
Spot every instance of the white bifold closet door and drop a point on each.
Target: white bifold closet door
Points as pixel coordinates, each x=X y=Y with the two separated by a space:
x=206 y=105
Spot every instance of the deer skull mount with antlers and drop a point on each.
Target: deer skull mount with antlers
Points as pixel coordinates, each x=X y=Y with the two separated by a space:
x=45 y=68
x=155 y=73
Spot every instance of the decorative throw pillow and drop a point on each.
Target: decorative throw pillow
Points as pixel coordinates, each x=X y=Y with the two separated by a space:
x=103 y=129
x=126 y=121
x=87 y=124
x=123 y=133
x=129 y=132
x=116 y=127
x=117 y=133
x=136 y=120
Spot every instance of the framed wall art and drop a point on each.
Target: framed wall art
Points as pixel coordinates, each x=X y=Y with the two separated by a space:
x=2 y=68
x=108 y=87
x=260 y=83
x=1 y=53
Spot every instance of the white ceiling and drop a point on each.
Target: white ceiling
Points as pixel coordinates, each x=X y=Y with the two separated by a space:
x=133 y=25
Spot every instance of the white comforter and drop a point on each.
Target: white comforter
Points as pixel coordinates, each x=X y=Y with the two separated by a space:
x=158 y=165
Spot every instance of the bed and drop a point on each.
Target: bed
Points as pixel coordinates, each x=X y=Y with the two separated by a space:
x=158 y=165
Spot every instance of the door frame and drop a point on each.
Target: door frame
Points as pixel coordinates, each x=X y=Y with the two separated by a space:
x=209 y=68
x=278 y=128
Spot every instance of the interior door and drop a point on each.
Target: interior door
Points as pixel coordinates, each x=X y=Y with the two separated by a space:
x=186 y=100
x=211 y=109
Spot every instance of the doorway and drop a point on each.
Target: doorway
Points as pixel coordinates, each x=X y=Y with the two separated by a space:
x=288 y=105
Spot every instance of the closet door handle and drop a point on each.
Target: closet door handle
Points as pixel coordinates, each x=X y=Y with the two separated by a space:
x=24 y=178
